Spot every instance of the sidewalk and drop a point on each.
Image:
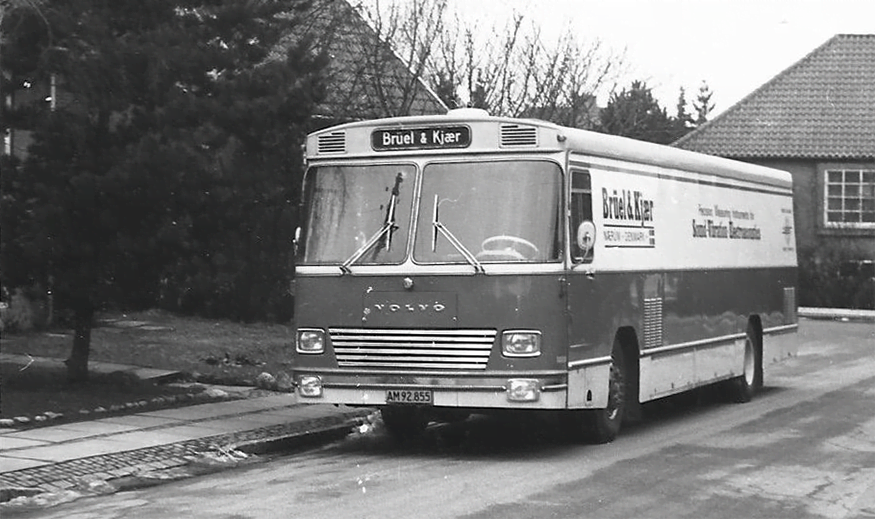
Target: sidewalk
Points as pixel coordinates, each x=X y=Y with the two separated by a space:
x=103 y=455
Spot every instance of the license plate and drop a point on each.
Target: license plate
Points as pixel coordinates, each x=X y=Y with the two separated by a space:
x=408 y=396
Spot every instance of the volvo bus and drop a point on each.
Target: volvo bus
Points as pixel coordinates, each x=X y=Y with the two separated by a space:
x=464 y=263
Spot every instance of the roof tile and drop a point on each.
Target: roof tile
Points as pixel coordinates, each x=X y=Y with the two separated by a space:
x=821 y=107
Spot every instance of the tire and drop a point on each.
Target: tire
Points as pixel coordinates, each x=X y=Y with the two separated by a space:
x=603 y=425
x=404 y=422
x=745 y=387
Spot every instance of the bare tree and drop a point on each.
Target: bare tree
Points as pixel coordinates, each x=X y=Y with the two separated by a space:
x=516 y=72
x=398 y=57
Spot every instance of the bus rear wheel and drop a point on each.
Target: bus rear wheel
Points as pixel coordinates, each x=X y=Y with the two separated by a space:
x=743 y=388
x=404 y=422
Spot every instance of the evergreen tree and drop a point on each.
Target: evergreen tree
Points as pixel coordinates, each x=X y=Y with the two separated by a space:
x=445 y=88
x=174 y=151
x=683 y=118
x=635 y=113
x=703 y=104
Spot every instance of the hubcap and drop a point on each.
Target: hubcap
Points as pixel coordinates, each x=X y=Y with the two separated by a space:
x=748 y=362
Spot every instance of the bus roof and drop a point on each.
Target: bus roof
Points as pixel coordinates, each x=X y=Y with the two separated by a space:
x=579 y=142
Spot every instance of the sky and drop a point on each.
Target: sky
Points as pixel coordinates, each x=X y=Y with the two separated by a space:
x=733 y=45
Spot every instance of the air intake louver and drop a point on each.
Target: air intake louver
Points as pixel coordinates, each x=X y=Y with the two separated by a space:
x=517 y=135
x=334 y=142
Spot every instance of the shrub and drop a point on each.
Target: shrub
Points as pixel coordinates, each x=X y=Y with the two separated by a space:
x=19 y=314
x=835 y=279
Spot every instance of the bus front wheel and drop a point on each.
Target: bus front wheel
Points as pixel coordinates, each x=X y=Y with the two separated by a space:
x=603 y=425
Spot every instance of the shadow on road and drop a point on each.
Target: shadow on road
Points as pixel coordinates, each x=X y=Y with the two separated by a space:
x=513 y=435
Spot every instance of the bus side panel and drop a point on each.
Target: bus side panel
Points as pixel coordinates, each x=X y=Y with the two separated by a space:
x=693 y=336
x=779 y=345
x=682 y=262
x=598 y=307
x=706 y=314
x=723 y=300
x=588 y=386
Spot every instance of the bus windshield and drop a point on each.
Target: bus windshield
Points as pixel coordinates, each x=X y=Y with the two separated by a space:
x=499 y=211
x=357 y=214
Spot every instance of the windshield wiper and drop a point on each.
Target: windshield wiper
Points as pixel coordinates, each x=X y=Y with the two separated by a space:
x=439 y=227
x=388 y=227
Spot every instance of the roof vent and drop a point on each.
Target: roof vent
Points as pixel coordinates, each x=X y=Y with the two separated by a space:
x=517 y=135
x=334 y=142
x=465 y=113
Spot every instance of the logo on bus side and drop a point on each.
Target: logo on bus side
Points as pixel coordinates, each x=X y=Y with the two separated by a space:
x=626 y=205
x=628 y=217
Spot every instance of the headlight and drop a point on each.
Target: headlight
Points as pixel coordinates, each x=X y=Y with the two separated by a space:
x=521 y=343
x=310 y=341
x=310 y=385
x=523 y=390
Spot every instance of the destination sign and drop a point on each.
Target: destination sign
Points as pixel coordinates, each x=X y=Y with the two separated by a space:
x=421 y=138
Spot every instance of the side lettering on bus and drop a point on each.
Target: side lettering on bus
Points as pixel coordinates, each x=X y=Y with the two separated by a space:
x=626 y=204
x=628 y=219
x=719 y=222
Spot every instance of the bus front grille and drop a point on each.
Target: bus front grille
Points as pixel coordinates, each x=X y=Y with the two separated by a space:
x=412 y=349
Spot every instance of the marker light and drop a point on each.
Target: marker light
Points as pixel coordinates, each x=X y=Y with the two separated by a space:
x=310 y=385
x=310 y=341
x=521 y=343
x=523 y=390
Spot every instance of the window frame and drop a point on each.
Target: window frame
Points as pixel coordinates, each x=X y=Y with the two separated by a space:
x=572 y=223
x=866 y=179
x=306 y=202
x=422 y=210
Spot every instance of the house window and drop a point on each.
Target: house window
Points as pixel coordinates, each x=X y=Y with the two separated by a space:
x=850 y=198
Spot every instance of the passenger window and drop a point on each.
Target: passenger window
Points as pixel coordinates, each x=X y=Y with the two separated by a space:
x=581 y=211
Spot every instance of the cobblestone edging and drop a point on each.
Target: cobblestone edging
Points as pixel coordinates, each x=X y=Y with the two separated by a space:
x=80 y=473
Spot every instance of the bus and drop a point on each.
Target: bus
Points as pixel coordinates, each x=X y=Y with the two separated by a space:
x=464 y=263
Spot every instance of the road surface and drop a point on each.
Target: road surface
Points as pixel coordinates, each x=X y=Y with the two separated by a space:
x=805 y=447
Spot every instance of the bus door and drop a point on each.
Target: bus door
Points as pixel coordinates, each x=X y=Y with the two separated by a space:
x=588 y=366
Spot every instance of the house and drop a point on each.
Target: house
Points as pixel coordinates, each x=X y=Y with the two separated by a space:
x=366 y=77
x=816 y=120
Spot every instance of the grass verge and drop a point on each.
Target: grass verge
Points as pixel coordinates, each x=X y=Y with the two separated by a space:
x=208 y=351
x=39 y=390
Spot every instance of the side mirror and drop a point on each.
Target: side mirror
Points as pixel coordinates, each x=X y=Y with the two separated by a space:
x=586 y=238
x=295 y=241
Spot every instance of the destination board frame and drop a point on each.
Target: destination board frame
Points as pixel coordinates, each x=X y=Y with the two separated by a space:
x=421 y=138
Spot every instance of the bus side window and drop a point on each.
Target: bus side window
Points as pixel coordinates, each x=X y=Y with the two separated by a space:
x=581 y=211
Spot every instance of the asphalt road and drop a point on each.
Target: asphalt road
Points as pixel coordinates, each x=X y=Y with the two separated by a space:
x=805 y=447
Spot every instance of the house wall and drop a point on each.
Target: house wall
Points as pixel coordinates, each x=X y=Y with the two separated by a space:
x=808 y=206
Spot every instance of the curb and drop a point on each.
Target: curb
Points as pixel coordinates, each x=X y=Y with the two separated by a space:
x=97 y=475
x=314 y=431
x=837 y=314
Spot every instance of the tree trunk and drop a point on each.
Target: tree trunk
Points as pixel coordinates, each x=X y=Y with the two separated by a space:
x=77 y=364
